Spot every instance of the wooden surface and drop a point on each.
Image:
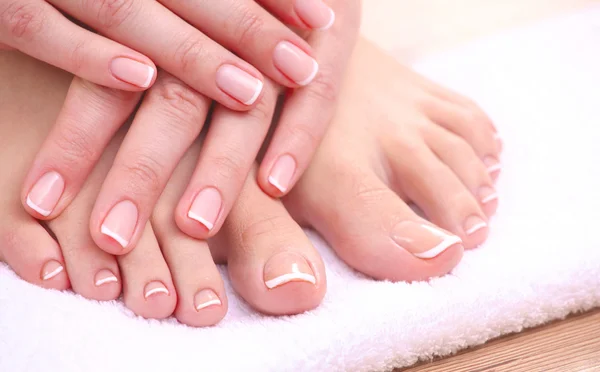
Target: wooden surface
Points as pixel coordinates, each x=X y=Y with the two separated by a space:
x=411 y=29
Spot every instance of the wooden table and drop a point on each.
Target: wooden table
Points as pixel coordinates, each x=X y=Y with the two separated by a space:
x=412 y=29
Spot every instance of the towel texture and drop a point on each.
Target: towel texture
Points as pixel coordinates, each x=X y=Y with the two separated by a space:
x=542 y=261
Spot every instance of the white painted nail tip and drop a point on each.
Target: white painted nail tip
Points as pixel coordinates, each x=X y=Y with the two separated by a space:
x=106 y=231
x=209 y=225
x=259 y=89
x=36 y=208
x=54 y=273
x=156 y=290
x=208 y=303
x=476 y=228
x=312 y=75
x=494 y=168
x=489 y=198
x=150 y=77
x=438 y=249
x=283 y=279
x=110 y=279
x=274 y=182
x=331 y=22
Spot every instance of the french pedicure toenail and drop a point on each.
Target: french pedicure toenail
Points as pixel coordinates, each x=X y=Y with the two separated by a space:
x=315 y=13
x=294 y=63
x=239 y=84
x=155 y=288
x=474 y=224
x=206 y=298
x=282 y=173
x=120 y=222
x=422 y=240
x=104 y=276
x=492 y=164
x=132 y=71
x=487 y=195
x=287 y=267
x=44 y=195
x=51 y=269
x=206 y=207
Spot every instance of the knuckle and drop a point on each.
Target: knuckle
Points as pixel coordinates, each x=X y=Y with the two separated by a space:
x=325 y=87
x=113 y=13
x=302 y=136
x=229 y=166
x=271 y=229
x=188 y=53
x=76 y=146
x=247 y=25
x=78 y=57
x=22 y=21
x=144 y=171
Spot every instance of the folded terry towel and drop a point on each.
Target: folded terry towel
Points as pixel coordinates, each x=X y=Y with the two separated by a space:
x=542 y=261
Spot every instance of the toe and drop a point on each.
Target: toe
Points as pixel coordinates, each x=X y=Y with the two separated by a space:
x=370 y=227
x=459 y=156
x=147 y=285
x=436 y=189
x=272 y=263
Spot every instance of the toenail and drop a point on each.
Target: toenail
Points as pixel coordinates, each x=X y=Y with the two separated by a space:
x=487 y=194
x=155 y=288
x=287 y=267
x=422 y=240
x=51 y=269
x=474 y=224
x=283 y=172
x=492 y=164
x=104 y=276
x=120 y=222
x=206 y=207
x=206 y=298
x=44 y=195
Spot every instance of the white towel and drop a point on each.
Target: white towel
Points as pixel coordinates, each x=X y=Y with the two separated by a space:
x=542 y=260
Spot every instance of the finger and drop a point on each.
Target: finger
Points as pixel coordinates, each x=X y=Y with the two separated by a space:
x=308 y=111
x=228 y=153
x=311 y=14
x=249 y=30
x=37 y=29
x=169 y=119
x=88 y=120
x=174 y=45
x=5 y=47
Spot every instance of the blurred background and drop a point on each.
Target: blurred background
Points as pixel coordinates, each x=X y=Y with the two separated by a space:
x=412 y=28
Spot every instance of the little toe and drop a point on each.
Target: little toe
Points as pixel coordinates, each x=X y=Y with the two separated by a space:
x=148 y=288
x=459 y=156
x=272 y=263
x=370 y=227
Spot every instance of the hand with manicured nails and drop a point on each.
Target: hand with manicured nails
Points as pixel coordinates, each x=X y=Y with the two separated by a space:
x=193 y=70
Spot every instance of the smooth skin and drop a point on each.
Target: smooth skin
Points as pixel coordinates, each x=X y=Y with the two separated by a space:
x=414 y=141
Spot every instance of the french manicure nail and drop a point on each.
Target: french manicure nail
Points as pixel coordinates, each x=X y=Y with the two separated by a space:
x=315 y=13
x=104 y=276
x=120 y=222
x=44 y=195
x=155 y=288
x=294 y=63
x=287 y=267
x=206 y=207
x=422 y=240
x=239 y=84
x=51 y=269
x=493 y=165
x=487 y=194
x=132 y=71
x=474 y=224
x=206 y=298
x=282 y=173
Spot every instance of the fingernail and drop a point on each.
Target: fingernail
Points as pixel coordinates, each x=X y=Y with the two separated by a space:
x=294 y=63
x=422 y=240
x=474 y=224
x=120 y=222
x=239 y=84
x=51 y=269
x=44 y=195
x=155 y=288
x=104 y=276
x=287 y=267
x=205 y=207
x=487 y=194
x=206 y=298
x=132 y=71
x=282 y=172
x=493 y=165
x=315 y=13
